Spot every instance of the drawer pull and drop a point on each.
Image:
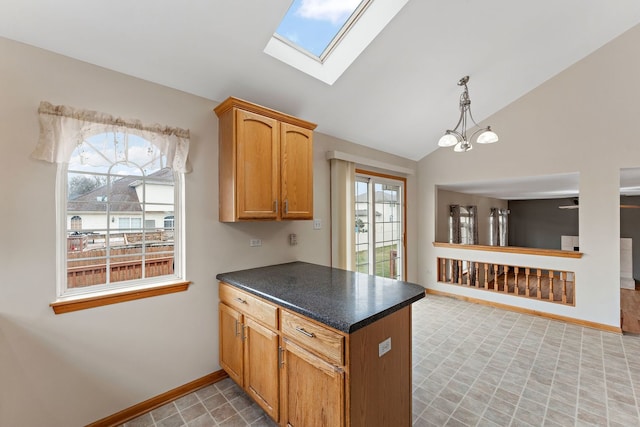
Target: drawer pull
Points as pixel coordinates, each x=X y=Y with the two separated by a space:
x=302 y=331
x=241 y=301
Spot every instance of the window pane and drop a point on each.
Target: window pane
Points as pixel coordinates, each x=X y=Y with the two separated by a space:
x=313 y=28
x=126 y=268
x=86 y=268
x=120 y=211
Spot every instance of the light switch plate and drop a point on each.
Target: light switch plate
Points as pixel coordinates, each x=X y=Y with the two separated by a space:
x=384 y=347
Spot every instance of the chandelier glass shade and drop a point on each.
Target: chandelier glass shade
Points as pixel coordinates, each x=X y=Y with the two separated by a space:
x=457 y=138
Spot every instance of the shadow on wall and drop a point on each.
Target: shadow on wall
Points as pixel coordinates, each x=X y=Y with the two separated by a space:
x=540 y=223
x=33 y=370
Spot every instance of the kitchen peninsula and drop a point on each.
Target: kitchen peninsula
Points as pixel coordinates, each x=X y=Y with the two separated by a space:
x=319 y=346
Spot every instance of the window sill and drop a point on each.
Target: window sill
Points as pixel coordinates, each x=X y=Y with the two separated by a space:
x=83 y=303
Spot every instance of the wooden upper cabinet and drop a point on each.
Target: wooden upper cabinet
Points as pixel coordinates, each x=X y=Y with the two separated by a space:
x=265 y=163
x=257 y=168
x=296 y=163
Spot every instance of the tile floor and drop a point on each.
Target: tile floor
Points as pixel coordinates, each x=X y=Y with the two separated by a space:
x=476 y=365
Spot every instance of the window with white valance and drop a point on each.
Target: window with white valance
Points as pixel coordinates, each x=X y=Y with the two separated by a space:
x=63 y=128
x=123 y=179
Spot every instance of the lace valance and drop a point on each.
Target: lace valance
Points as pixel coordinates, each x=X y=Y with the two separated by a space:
x=62 y=128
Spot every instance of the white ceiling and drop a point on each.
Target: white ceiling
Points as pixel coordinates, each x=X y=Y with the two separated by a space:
x=541 y=187
x=533 y=187
x=399 y=95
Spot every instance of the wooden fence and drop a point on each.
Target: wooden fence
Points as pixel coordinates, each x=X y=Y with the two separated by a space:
x=89 y=267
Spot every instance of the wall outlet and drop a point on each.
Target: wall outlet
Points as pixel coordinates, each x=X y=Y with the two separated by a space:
x=317 y=224
x=255 y=242
x=384 y=347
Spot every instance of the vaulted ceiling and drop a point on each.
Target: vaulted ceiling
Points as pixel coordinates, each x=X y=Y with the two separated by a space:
x=398 y=96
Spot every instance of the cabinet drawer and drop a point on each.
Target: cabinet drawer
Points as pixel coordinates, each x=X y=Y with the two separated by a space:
x=250 y=305
x=314 y=337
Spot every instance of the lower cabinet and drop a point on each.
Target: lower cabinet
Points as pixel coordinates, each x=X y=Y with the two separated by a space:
x=249 y=354
x=261 y=367
x=305 y=374
x=231 y=343
x=312 y=389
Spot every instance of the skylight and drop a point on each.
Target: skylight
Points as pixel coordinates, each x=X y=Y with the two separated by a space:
x=322 y=38
x=314 y=25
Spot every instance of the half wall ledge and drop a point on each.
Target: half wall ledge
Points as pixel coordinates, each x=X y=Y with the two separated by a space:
x=511 y=249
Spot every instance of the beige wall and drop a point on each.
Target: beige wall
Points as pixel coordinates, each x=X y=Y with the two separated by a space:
x=73 y=369
x=446 y=198
x=582 y=120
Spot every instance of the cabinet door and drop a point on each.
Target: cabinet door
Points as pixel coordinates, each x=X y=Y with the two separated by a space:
x=231 y=359
x=261 y=367
x=258 y=171
x=313 y=390
x=296 y=154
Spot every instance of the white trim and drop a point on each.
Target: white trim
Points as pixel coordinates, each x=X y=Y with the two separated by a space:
x=90 y=292
x=371 y=22
x=368 y=162
x=61 y=229
x=179 y=216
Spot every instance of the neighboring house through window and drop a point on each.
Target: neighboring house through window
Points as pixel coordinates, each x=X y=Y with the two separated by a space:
x=168 y=222
x=379 y=224
x=120 y=184
x=116 y=180
x=76 y=223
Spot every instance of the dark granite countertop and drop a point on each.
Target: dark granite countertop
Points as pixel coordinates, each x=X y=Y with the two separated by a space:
x=342 y=299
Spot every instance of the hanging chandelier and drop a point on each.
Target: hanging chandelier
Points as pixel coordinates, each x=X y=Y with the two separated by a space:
x=458 y=138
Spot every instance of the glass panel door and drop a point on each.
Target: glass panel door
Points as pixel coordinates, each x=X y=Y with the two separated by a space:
x=379 y=225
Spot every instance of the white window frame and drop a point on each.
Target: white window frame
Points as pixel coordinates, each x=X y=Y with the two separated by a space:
x=179 y=267
x=369 y=21
x=372 y=179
